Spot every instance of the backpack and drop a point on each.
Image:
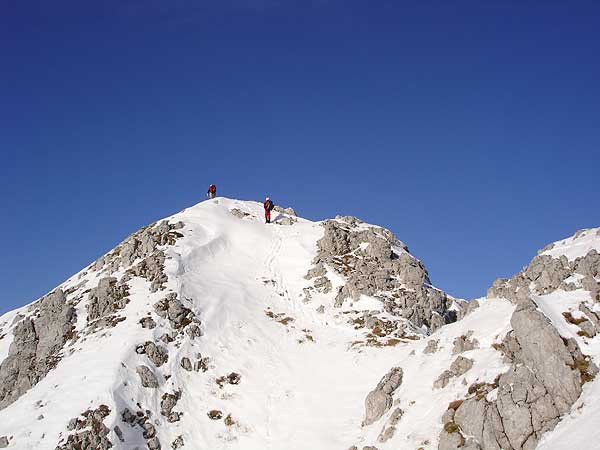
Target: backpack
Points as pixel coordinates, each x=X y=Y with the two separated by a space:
x=269 y=205
x=212 y=189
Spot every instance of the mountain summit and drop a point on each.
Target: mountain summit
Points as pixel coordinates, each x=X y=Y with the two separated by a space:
x=212 y=330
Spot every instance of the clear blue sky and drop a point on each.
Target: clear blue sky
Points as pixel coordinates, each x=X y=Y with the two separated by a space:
x=470 y=129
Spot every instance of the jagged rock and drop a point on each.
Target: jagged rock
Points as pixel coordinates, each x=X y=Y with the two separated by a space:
x=193 y=331
x=234 y=378
x=432 y=346
x=443 y=380
x=370 y=447
x=380 y=399
x=461 y=365
x=541 y=385
x=156 y=353
x=591 y=315
x=464 y=343
x=239 y=213
x=323 y=285
x=148 y=322
x=186 y=364
x=316 y=271
x=202 y=364
x=172 y=309
x=153 y=444
x=177 y=443
x=450 y=441
x=379 y=265
x=36 y=346
x=546 y=274
x=387 y=432
x=215 y=414
x=72 y=424
x=3 y=442
x=168 y=402
x=139 y=246
x=149 y=430
x=466 y=308
x=105 y=300
x=289 y=211
x=286 y=221
x=147 y=377
x=94 y=433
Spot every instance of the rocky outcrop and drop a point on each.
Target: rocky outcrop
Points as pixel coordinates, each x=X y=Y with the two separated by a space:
x=459 y=366
x=105 y=300
x=93 y=433
x=172 y=309
x=168 y=402
x=155 y=353
x=545 y=274
x=35 y=349
x=544 y=381
x=377 y=264
x=380 y=399
x=139 y=246
x=147 y=377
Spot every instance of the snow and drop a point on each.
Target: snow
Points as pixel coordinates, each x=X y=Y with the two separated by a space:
x=577 y=245
x=295 y=393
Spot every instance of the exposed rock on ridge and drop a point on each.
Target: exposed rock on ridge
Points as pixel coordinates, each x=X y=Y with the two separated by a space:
x=377 y=264
x=36 y=347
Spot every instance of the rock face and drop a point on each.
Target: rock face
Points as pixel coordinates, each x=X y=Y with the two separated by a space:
x=546 y=274
x=147 y=377
x=94 y=433
x=380 y=399
x=36 y=347
x=377 y=264
x=105 y=300
x=542 y=384
x=141 y=254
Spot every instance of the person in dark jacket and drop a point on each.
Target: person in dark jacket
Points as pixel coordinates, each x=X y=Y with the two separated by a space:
x=212 y=191
x=268 y=205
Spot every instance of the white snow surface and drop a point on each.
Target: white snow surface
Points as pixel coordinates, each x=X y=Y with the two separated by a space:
x=576 y=246
x=295 y=393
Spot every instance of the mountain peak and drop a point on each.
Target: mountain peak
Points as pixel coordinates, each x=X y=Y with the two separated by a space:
x=212 y=329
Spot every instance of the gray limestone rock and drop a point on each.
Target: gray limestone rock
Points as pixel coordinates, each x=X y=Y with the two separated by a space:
x=177 y=443
x=148 y=322
x=147 y=377
x=35 y=349
x=461 y=365
x=186 y=364
x=542 y=384
x=432 y=346
x=376 y=264
x=93 y=433
x=172 y=309
x=464 y=343
x=156 y=353
x=3 y=442
x=105 y=300
x=168 y=402
x=380 y=400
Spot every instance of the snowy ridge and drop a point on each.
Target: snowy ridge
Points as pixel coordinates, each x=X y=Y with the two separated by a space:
x=244 y=350
x=576 y=246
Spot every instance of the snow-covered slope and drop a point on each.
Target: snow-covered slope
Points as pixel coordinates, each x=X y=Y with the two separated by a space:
x=212 y=330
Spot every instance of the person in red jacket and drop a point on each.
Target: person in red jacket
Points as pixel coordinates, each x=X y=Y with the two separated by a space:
x=212 y=191
x=268 y=205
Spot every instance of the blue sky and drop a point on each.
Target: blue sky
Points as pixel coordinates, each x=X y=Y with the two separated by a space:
x=470 y=129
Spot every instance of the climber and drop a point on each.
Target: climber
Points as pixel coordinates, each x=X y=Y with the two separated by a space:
x=212 y=191
x=268 y=204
